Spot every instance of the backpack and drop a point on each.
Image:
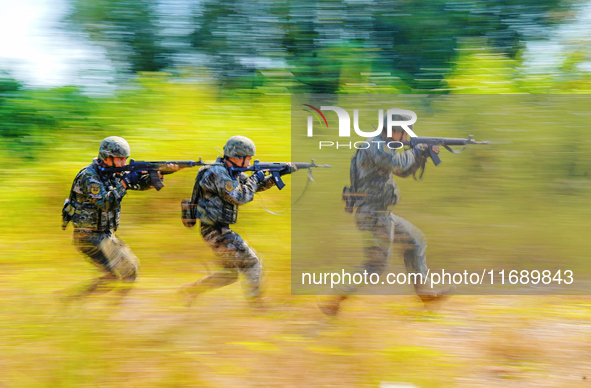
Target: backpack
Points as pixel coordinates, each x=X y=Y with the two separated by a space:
x=68 y=208
x=349 y=192
x=189 y=214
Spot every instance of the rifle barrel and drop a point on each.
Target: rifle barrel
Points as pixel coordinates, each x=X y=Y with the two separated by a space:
x=450 y=141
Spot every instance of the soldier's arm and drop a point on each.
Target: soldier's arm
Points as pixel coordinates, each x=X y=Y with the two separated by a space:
x=262 y=186
x=234 y=191
x=99 y=194
x=419 y=157
x=401 y=164
x=266 y=184
x=145 y=183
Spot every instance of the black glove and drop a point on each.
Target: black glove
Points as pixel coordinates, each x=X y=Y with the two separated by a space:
x=259 y=176
x=133 y=178
x=287 y=170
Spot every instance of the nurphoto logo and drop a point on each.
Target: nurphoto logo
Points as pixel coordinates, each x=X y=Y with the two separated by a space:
x=345 y=126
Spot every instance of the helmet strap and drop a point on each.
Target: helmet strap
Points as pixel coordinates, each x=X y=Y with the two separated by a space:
x=104 y=162
x=234 y=164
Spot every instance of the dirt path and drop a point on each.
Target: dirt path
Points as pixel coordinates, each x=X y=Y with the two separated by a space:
x=150 y=341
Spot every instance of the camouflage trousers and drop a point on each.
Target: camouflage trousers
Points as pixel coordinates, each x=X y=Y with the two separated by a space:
x=380 y=229
x=108 y=253
x=235 y=256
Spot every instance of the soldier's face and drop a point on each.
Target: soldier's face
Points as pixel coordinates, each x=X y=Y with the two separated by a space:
x=400 y=136
x=115 y=162
x=246 y=162
x=119 y=162
x=241 y=162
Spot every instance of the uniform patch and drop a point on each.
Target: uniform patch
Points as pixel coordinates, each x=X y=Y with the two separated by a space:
x=95 y=188
x=229 y=186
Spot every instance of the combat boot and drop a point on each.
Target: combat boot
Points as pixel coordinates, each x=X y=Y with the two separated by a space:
x=331 y=307
x=259 y=304
x=187 y=293
x=428 y=295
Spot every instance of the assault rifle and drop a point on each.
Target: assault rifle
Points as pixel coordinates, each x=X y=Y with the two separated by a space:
x=153 y=168
x=278 y=169
x=446 y=142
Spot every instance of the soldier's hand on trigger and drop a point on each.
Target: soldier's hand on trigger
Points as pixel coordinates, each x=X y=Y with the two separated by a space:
x=425 y=146
x=133 y=178
x=260 y=175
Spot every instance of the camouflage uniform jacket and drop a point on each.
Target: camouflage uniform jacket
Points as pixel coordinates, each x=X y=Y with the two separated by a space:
x=97 y=199
x=372 y=169
x=217 y=194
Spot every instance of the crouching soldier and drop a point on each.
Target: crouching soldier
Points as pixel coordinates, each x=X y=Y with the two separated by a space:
x=217 y=194
x=94 y=208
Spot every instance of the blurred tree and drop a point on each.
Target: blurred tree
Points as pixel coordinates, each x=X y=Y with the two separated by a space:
x=480 y=70
x=128 y=29
x=7 y=86
x=413 y=41
x=314 y=64
x=20 y=119
x=240 y=38
x=420 y=40
x=31 y=119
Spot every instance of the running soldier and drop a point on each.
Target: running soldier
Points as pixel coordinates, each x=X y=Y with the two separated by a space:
x=94 y=207
x=373 y=190
x=217 y=194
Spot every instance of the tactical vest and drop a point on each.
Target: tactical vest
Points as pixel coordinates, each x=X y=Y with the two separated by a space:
x=207 y=207
x=387 y=195
x=86 y=215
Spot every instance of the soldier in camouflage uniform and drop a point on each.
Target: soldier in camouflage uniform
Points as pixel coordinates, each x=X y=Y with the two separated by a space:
x=216 y=196
x=94 y=207
x=375 y=190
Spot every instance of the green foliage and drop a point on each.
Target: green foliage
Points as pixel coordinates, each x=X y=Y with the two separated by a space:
x=8 y=85
x=128 y=29
x=21 y=123
x=415 y=43
x=31 y=120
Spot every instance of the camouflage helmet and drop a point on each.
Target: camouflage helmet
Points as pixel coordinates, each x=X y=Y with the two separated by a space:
x=114 y=146
x=396 y=117
x=239 y=147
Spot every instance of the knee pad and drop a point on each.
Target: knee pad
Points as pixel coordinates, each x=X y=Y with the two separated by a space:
x=129 y=279
x=127 y=270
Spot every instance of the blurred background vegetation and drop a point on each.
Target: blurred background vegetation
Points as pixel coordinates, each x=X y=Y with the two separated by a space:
x=180 y=78
x=230 y=49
